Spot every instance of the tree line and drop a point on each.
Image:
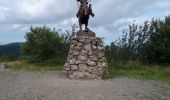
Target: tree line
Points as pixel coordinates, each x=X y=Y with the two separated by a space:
x=148 y=43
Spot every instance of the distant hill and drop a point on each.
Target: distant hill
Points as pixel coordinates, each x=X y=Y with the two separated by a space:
x=11 y=49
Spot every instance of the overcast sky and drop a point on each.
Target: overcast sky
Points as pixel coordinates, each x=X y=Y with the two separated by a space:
x=112 y=16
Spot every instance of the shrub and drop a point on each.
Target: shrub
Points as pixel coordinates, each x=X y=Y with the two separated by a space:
x=42 y=44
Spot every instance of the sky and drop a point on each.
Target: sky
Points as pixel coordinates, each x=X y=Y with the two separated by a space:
x=111 y=16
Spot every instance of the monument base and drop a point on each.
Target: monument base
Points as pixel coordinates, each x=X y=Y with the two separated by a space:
x=88 y=33
x=86 y=59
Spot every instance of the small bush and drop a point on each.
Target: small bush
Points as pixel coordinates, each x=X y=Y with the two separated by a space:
x=42 y=44
x=7 y=58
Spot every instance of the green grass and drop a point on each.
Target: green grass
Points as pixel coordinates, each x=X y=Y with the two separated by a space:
x=139 y=71
x=131 y=69
x=25 y=66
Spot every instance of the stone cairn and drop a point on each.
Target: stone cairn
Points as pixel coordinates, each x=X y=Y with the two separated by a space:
x=86 y=57
x=2 y=66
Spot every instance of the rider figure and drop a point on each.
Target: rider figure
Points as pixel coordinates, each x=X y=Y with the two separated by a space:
x=83 y=6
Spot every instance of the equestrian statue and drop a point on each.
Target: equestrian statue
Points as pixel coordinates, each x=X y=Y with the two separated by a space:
x=84 y=12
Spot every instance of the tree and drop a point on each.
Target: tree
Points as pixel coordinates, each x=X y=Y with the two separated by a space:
x=148 y=43
x=158 y=45
x=42 y=44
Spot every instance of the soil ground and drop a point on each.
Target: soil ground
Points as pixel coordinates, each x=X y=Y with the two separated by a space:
x=19 y=85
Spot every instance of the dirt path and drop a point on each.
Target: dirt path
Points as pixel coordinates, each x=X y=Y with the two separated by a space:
x=16 y=85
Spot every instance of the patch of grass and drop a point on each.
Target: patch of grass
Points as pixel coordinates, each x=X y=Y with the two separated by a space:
x=25 y=66
x=139 y=71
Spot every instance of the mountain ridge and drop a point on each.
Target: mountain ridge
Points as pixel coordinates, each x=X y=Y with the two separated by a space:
x=11 y=49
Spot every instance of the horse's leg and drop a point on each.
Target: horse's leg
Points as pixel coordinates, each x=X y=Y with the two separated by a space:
x=80 y=24
x=86 y=27
x=87 y=22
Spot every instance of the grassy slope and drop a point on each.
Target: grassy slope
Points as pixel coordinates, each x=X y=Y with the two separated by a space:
x=136 y=70
x=23 y=65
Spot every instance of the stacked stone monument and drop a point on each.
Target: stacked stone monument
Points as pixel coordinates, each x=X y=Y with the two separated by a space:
x=86 y=57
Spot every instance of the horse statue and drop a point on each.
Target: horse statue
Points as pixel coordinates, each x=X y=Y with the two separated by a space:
x=85 y=10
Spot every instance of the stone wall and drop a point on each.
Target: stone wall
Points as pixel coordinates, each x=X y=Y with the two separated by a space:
x=86 y=59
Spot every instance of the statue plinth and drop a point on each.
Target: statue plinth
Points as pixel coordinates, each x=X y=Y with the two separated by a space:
x=88 y=33
x=86 y=58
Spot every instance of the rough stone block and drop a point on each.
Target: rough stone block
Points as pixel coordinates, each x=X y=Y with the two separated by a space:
x=86 y=58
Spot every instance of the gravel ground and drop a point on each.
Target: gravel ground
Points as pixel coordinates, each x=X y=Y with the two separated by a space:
x=17 y=85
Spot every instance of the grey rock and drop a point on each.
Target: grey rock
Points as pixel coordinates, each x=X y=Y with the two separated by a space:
x=76 y=53
x=82 y=40
x=87 y=47
x=70 y=57
x=93 y=58
x=94 y=46
x=91 y=63
x=72 y=46
x=2 y=66
x=104 y=64
x=67 y=68
x=100 y=70
x=94 y=42
x=99 y=47
x=74 y=67
x=81 y=62
x=74 y=41
x=99 y=65
x=103 y=59
x=79 y=75
x=93 y=76
x=88 y=40
x=73 y=61
x=82 y=67
x=89 y=69
x=70 y=52
x=77 y=48
x=100 y=55
x=91 y=53
x=83 y=58
x=84 y=51
x=79 y=45
x=66 y=64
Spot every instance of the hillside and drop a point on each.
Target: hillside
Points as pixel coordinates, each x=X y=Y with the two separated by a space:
x=12 y=48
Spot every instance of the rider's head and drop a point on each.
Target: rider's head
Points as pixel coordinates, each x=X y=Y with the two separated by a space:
x=87 y=2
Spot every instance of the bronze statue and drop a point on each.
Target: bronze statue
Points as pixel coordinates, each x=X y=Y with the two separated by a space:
x=83 y=14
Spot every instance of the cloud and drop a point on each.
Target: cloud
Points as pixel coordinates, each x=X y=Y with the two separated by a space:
x=112 y=16
x=39 y=11
x=3 y=12
x=8 y=34
x=109 y=11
